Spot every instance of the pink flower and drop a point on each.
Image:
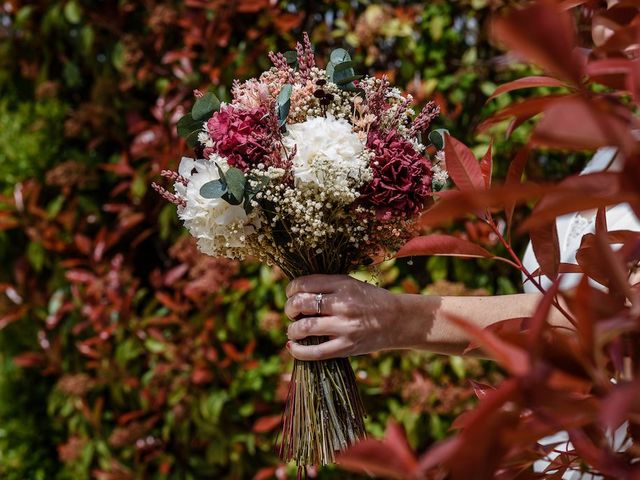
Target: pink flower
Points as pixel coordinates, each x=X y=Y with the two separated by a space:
x=401 y=176
x=245 y=137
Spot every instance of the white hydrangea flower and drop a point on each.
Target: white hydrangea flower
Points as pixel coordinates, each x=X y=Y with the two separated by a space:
x=216 y=224
x=328 y=153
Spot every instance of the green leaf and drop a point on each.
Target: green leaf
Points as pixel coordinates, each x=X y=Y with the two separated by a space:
x=214 y=189
x=283 y=103
x=236 y=182
x=347 y=80
x=117 y=56
x=343 y=74
x=188 y=128
x=457 y=365
x=348 y=65
x=339 y=55
x=329 y=70
x=36 y=255
x=437 y=137
x=72 y=12
x=204 y=107
x=54 y=207
x=292 y=57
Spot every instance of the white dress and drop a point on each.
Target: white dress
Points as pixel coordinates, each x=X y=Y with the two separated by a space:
x=571 y=229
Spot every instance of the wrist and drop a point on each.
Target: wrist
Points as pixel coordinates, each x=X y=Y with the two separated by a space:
x=414 y=319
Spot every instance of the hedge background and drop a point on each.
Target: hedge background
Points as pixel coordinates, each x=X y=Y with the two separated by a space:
x=124 y=354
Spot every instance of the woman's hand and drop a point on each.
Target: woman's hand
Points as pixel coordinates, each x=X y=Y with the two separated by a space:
x=358 y=317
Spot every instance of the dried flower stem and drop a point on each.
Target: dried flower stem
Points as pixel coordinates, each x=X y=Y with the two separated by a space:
x=168 y=195
x=324 y=412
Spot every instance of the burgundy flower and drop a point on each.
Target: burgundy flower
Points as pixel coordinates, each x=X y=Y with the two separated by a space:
x=401 y=176
x=245 y=137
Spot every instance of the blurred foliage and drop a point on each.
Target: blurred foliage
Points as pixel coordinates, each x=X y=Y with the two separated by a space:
x=126 y=354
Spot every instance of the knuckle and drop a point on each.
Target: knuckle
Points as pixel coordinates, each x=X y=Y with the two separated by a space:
x=349 y=308
x=291 y=330
x=304 y=326
x=298 y=301
x=288 y=308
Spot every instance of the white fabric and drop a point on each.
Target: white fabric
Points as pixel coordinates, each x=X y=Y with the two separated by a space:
x=571 y=229
x=573 y=226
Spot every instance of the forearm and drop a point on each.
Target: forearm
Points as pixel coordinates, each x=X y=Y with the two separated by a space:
x=426 y=324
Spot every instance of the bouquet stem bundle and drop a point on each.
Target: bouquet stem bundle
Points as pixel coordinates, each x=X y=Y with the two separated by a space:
x=324 y=412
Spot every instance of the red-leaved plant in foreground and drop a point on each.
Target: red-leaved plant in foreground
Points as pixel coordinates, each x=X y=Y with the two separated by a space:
x=586 y=381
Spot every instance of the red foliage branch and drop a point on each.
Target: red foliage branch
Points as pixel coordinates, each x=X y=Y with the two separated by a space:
x=586 y=383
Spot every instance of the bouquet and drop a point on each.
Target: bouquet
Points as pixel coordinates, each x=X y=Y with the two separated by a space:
x=314 y=171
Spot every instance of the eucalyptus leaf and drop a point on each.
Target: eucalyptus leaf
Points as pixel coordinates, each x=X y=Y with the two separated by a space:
x=214 y=189
x=437 y=137
x=329 y=70
x=204 y=106
x=347 y=80
x=348 y=65
x=188 y=128
x=235 y=183
x=292 y=57
x=283 y=103
x=339 y=55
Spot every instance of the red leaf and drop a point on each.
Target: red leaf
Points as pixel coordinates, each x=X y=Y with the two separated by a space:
x=539 y=319
x=508 y=328
x=618 y=274
x=83 y=243
x=514 y=177
x=438 y=454
x=601 y=124
x=486 y=166
x=600 y=458
x=480 y=442
x=543 y=33
x=601 y=221
x=546 y=248
x=569 y=4
x=266 y=424
x=562 y=268
x=624 y=399
x=252 y=6
x=598 y=262
x=201 y=376
x=12 y=316
x=79 y=276
x=480 y=389
x=527 y=82
x=390 y=457
x=170 y=303
x=29 y=359
x=175 y=274
x=511 y=357
x=455 y=204
x=129 y=416
x=522 y=111
x=462 y=165
x=577 y=193
x=265 y=473
x=442 y=245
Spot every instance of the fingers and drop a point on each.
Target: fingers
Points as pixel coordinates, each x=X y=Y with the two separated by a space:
x=315 y=284
x=306 y=304
x=338 y=347
x=314 y=327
